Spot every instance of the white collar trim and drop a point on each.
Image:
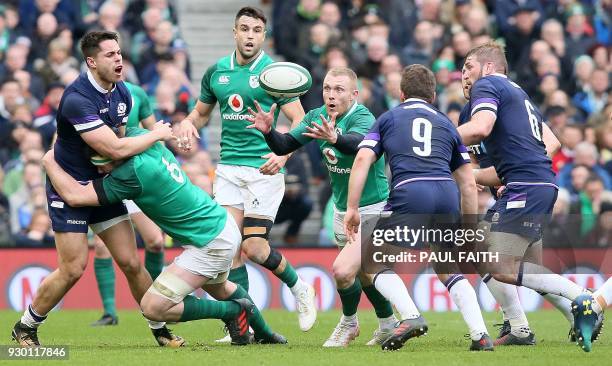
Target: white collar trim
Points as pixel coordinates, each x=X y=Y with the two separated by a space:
x=97 y=86
x=415 y=100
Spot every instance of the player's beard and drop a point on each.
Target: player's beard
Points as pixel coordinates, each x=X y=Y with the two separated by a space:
x=246 y=57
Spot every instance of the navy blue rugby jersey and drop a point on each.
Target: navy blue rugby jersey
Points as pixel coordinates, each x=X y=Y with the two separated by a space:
x=515 y=144
x=86 y=106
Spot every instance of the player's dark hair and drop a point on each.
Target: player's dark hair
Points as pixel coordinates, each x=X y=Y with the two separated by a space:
x=90 y=43
x=491 y=51
x=418 y=82
x=251 y=12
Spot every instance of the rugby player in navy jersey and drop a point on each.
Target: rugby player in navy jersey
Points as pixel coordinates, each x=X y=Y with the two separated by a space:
x=505 y=119
x=430 y=173
x=91 y=116
x=515 y=328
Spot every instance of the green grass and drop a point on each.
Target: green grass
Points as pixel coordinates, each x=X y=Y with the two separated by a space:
x=131 y=343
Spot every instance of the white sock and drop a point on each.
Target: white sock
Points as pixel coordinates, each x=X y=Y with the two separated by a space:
x=563 y=305
x=31 y=318
x=541 y=279
x=155 y=325
x=507 y=297
x=387 y=323
x=298 y=287
x=464 y=296
x=391 y=286
x=603 y=296
x=351 y=319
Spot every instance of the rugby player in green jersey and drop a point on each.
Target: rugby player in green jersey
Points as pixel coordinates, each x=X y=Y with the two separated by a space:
x=338 y=127
x=188 y=214
x=153 y=238
x=247 y=180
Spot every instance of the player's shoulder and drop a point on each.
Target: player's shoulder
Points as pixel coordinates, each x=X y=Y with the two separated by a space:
x=361 y=114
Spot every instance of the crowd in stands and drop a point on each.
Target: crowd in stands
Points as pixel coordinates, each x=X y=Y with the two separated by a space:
x=559 y=51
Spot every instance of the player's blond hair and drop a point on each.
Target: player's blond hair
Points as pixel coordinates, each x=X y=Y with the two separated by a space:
x=491 y=51
x=344 y=71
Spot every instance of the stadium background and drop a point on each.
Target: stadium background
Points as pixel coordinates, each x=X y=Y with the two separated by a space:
x=559 y=52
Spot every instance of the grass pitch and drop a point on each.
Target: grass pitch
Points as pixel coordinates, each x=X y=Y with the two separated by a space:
x=131 y=343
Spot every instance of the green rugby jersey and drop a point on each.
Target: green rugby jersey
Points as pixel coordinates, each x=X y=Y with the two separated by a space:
x=235 y=87
x=357 y=119
x=154 y=180
x=141 y=106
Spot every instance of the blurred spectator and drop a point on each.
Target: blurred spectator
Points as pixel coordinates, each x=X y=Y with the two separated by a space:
x=462 y=43
x=15 y=61
x=602 y=21
x=601 y=57
x=320 y=35
x=570 y=136
x=505 y=13
x=601 y=234
x=164 y=42
x=593 y=99
x=142 y=39
x=45 y=117
x=476 y=21
x=133 y=20
x=46 y=29
x=589 y=203
x=5 y=218
x=292 y=27
x=585 y=153
x=38 y=233
x=58 y=61
x=28 y=197
x=7 y=36
x=579 y=32
x=423 y=46
x=377 y=48
x=110 y=17
x=520 y=36
x=30 y=11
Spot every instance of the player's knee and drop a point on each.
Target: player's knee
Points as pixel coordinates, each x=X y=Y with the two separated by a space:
x=151 y=308
x=252 y=247
x=129 y=266
x=155 y=244
x=73 y=271
x=253 y=227
x=343 y=274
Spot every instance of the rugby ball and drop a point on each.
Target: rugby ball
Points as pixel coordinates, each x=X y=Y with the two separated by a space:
x=285 y=80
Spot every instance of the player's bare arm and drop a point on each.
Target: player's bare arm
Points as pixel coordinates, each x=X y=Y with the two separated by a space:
x=478 y=128
x=359 y=174
x=104 y=141
x=71 y=191
x=487 y=177
x=148 y=122
x=294 y=112
x=550 y=140
x=467 y=186
x=187 y=129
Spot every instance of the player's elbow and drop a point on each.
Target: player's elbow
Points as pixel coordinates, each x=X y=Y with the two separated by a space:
x=73 y=199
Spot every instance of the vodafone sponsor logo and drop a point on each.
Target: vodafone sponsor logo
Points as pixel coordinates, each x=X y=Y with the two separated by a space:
x=23 y=284
x=235 y=102
x=323 y=285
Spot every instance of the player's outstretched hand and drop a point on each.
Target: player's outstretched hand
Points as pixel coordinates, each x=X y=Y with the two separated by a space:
x=325 y=131
x=261 y=120
x=274 y=164
x=351 y=224
x=186 y=133
x=163 y=130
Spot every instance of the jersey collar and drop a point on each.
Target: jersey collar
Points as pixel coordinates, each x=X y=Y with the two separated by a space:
x=415 y=100
x=500 y=75
x=253 y=63
x=96 y=85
